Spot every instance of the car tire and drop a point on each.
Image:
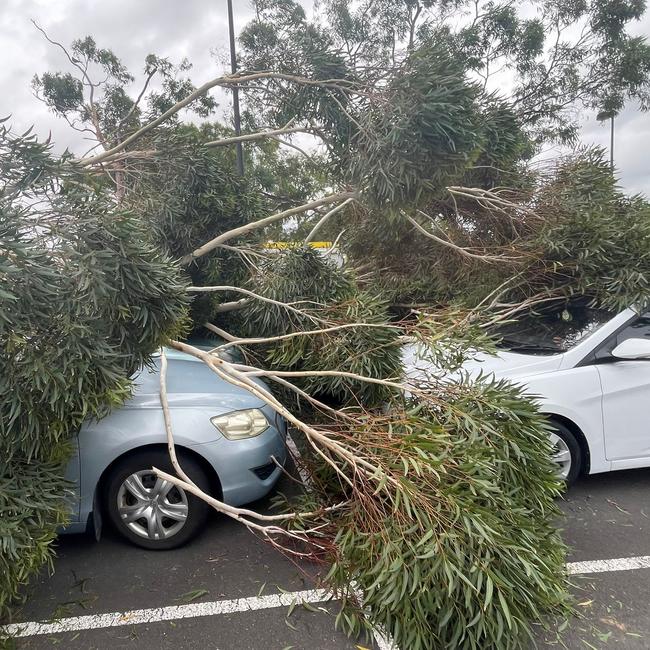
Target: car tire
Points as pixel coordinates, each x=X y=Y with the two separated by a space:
x=566 y=450
x=169 y=516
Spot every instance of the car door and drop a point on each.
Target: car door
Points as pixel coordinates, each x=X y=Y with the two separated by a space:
x=626 y=399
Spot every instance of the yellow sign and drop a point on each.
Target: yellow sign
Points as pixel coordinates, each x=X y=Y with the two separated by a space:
x=297 y=244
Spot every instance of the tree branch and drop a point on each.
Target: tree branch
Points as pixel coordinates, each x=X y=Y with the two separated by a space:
x=257 y=296
x=291 y=145
x=164 y=402
x=250 y=137
x=324 y=218
x=284 y=337
x=235 y=305
x=255 y=225
x=459 y=249
x=225 y=81
x=137 y=101
x=219 y=332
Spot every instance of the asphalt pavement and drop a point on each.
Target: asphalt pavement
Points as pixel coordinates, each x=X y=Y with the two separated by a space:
x=608 y=517
x=230 y=591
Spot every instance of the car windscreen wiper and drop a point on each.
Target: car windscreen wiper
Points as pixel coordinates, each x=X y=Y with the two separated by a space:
x=522 y=346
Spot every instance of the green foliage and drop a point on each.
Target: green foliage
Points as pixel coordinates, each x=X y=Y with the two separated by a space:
x=32 y=505
x=583 y=239
x=174 y=87
x=285 y=41
x=64 y=93
x=328 y=296
x=405 y=267
x=299 y=276
x=285 y=180
x=504 y=147
x=85 y=51
x=189 y=193
x=596 y=240
x=367 y=351
x=85 y=299
x=424 y=137
x=459 y=546
x=602 y=66
x=568 y=233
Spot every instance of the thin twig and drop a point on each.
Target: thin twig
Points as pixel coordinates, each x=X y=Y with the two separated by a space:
x=260 y=135
x=459 y=249
x=284 y=337
x=324 y=218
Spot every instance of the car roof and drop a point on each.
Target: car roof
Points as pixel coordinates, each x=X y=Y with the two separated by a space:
x=177 y=355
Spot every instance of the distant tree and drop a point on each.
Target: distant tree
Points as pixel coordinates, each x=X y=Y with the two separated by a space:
x=549 y=56
x=92 y=97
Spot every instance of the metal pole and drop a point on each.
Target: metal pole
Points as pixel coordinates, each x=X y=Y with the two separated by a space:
x=235 y=89
x=611 y=145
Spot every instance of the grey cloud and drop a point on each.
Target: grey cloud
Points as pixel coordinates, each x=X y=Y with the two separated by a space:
x=631 y=145
x=192 y=29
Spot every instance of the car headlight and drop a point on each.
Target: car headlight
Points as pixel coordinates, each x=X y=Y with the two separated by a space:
x=239 y=425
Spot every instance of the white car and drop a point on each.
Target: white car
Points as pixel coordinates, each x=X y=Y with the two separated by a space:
x=591 y=376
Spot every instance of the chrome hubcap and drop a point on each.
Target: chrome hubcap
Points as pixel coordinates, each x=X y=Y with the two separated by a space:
x=561 y=456
x=150 y=506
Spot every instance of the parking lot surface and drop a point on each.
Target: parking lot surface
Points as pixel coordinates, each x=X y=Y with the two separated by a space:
x=230 y=591
x=608 y=517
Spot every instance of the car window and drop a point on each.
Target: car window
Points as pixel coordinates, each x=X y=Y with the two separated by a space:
x=551 y=332
x=147 y=380
x=639 y=329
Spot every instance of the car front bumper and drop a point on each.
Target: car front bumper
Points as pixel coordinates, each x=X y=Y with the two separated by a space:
x=247 y=469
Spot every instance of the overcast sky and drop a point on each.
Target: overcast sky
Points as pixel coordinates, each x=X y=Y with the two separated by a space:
x=196 y=29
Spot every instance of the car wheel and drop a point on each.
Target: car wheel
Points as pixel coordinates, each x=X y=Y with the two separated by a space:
x=566 y=453
x=149 y=511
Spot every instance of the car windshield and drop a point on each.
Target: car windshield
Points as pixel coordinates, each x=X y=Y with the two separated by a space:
x=551 y=332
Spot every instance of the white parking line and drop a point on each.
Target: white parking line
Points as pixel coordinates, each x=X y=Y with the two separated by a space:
x=172 y=613
x=603 y=566
x=383 y=640
x=254 y=603
x=177 y=612
x=295 y=452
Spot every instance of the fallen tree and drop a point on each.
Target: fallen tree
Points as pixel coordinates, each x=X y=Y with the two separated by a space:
x=435 y=500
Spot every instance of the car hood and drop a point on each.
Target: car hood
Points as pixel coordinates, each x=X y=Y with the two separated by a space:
x=503 y=365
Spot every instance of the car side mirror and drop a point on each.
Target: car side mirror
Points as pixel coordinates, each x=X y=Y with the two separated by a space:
x=632 y=349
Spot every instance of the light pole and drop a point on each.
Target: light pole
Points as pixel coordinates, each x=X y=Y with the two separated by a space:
x=611 y=143
x=235 y=89
x=601 y=117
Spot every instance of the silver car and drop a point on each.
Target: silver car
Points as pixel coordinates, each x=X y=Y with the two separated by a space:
x=228 y=442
